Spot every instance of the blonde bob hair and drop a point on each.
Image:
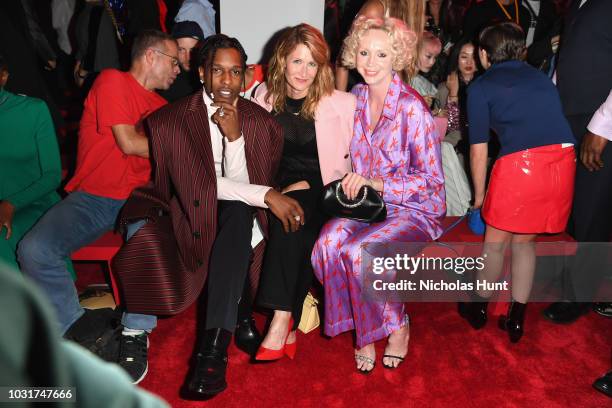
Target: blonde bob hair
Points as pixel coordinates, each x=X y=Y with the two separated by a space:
x=323 y=83
x=403 y=41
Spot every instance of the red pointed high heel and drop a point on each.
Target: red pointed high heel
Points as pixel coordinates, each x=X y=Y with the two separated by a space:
x=290 y=349
x=266 y=354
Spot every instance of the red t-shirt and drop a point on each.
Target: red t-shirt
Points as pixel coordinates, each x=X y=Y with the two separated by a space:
x=116 y=98
x=258 y=78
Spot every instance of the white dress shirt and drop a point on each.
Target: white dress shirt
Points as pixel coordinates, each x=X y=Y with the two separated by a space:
x=601 y=122
x=234 y=185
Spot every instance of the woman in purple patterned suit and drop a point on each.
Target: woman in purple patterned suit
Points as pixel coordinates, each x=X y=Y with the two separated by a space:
x=395 y=151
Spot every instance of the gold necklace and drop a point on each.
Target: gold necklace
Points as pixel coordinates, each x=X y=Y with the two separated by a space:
x=516 y=12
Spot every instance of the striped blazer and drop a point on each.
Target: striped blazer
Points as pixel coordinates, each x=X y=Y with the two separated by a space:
x=184 y=178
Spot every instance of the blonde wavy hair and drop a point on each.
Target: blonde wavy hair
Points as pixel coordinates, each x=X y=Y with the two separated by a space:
x=403 y=41
x=411 y=12
x=323 y=83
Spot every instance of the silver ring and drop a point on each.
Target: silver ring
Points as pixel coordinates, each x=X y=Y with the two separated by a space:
x=221 y=112
x=297 y=218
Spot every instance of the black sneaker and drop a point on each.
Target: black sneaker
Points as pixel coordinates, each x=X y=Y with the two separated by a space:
x=133 y=356
x=94 y=330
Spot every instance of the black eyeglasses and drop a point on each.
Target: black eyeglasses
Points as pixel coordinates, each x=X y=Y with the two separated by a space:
x=175 y=60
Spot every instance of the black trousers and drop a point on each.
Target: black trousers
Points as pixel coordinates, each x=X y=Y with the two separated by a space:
x=287 y=272
x=591 y=218
x=229 y=264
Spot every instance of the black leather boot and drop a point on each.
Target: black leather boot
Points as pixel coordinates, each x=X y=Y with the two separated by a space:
x=475 y=312
x=246 y=336
x=565 y=312
x=207 y=377
x=604 y=384
x=514 y=321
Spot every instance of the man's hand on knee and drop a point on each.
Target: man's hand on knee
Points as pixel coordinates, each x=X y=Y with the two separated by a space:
x=286 y=209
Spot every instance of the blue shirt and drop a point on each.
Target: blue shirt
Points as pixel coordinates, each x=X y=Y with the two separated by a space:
x=200 y=11
x=520 y=104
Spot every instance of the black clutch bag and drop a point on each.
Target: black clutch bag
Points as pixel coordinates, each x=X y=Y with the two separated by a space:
x=367 y=207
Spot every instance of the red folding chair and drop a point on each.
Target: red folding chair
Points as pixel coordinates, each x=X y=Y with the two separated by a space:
x=102 y=250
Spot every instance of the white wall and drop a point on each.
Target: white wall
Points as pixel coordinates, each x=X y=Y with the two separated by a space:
x=253 y=22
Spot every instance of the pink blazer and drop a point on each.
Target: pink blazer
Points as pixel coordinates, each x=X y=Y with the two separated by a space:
x=334 y=120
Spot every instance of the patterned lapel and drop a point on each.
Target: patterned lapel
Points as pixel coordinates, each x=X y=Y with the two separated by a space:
x=361 y=112
x=389 y=108
x=387 y=115
x=257 y=154
x=252 y=146
x=197 y=128
x=199 y=131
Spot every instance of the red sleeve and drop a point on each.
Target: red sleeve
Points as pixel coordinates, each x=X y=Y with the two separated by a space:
x=113 y=105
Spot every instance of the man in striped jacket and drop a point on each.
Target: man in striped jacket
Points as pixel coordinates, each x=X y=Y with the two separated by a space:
x=215 y=156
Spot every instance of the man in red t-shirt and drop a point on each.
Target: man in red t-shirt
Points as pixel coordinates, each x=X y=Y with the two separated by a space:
x=112 y=160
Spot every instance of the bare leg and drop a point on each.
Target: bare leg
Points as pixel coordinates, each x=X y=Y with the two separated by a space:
x=523 y=269
x=495 y=244
x=523 y=266
x=277 y=333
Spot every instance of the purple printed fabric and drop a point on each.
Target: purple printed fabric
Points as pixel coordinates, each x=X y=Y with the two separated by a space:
x=404 y=151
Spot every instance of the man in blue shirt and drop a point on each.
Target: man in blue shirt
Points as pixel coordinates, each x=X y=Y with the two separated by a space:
x=200 y=11
x=584 y=82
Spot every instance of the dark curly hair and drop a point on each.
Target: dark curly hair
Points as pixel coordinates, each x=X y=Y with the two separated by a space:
x=503 y=42
x=206 y=54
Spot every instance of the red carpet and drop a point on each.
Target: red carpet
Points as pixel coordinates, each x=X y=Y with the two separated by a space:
x=448 y=365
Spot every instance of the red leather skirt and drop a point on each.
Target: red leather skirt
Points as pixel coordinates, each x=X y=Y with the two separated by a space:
x=531 y=191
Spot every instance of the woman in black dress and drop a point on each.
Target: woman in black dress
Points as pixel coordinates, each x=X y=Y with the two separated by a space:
x=317 y=122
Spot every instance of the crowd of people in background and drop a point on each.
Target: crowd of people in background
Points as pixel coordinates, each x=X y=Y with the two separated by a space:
x=439 y=106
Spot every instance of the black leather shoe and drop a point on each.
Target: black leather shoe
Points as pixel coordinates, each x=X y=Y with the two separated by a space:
x=565 y=312
x=207 y=377
x=604 y=384
x=247 y=337
x=513 y=323
x=604 y=309
x=474 y=312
